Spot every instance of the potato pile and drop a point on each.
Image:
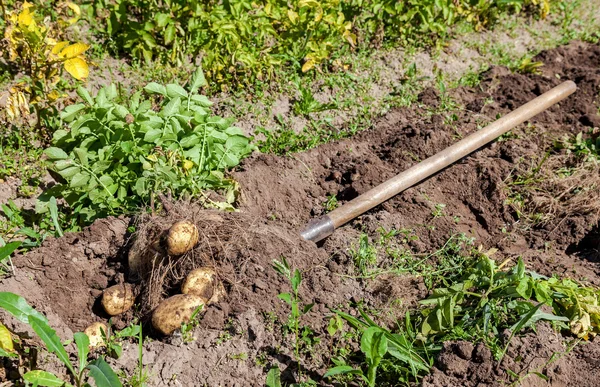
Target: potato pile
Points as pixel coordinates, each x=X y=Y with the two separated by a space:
x=200 y=288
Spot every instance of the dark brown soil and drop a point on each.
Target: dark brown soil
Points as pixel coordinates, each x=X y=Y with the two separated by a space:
x=65 y=277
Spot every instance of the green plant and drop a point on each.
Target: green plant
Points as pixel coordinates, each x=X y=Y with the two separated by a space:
x=364 y=255
x=243 y=42
x=116 y=158
x=98 y=370
x=383 y=349
x=295 y=302
x=438 y=210
x=308 y=104
x=527 y=66
x=187 y=328
x=6 y=249
x=331 y=203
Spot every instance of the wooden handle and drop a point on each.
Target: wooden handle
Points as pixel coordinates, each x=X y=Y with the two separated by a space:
x=323 y=227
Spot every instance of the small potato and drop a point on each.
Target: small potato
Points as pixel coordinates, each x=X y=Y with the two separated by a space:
x=182 y=237
x=174 y=311
x=118 y=299
x=94 y=333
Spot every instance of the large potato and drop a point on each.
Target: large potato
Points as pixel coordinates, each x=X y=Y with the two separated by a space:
x=174 y=311
x=118 y=299
x=182 y=237
x=94 y=333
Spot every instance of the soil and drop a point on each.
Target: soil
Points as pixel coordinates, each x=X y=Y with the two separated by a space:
x=65 y=277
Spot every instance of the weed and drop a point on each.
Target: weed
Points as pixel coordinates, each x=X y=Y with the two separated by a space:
x=187 y=328
x=331 y=203
x=298 y=309
x=308 y=104
x=438 y=210
x=364 y=255
x=239 y=356
x=527 y=66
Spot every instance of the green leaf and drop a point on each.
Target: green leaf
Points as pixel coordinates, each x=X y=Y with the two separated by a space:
x=54 y=153
x=79 y=180
x=198 y=80
x=341 y=370
x=155 y=88
x=174 y=90
x=71 y=112
x=49 y=337
x=273 y=377
x=170 y=33
x=373 y=344
x=18 y=307
x=285 y=297
x=85 y=95
x=83 y=348
x=68 y=173
x=153 y=135
x=171 y=108
x=53 y=207
x=81 y=155
x=102 y=374
x=43 y=378
x=8 y=249
x=4 y=353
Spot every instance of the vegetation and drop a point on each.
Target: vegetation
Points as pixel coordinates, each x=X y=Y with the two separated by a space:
x=115 y=157
x=476 y=303
x=244 y=41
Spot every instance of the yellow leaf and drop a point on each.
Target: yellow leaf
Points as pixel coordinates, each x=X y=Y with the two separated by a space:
x=293 y=16
x=77 y=67
x=25 y=17
x=58 y=47
x=75 y=8
x=350 y=37
x=6 y=342
x=53 y=95
x=309 y=64
x=27 y=5
x=74 y=50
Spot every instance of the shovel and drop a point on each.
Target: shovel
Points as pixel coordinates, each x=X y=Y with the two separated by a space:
x=321 y=228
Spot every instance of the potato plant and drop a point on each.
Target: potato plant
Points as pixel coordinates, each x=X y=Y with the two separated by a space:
x=37 y=49
x=242 y=41
x=118 y=153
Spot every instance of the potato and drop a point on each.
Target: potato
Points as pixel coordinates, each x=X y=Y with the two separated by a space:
x=118 y=299
x=182 y=237
x=174 y=311
x=200 y=282
x=94 y=332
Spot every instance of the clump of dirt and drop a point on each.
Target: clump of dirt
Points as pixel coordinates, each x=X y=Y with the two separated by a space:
x=66 y=276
